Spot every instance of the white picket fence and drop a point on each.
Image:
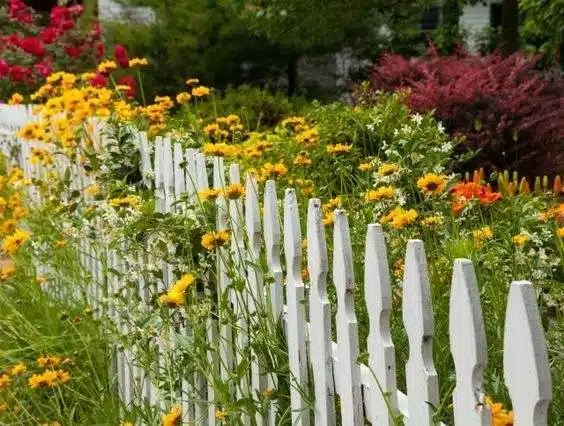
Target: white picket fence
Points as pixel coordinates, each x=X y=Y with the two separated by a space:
x=365 y=392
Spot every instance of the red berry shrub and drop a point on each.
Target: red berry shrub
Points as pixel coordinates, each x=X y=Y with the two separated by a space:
x=30 y=52
x=501 y=106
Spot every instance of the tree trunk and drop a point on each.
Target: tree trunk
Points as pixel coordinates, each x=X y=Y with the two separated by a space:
x=510 y=27
x=292 y=74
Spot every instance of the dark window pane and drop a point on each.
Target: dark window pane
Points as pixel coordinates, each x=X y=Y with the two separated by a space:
x=496 y=11
x=431 y=18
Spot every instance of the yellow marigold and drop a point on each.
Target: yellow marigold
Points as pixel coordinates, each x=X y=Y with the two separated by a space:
x=270 y=170
x=87 y=76
x=431 y=221
x=431 y=184
x=388 y=169
x=381 y=193
x=60 y=244
x=338 y=149
x=192 y=81
x=173 y=417
x=220 y=150
x=332 y=204
x=13 y=242
x=307 y=137
x=234 y=191
x=215 y=239
x=560 y=232
x=365 y=167
x=8 y=227
x=138 y=62
x=213 y=130
x=16 y=99
x=268 y=392
x=200 y=91
x=209 y=194
x=500 y=417
x=521 y=239
x=398 y=217
x=107 y=67
x=17 y=369
x=221 y=415
x=40 y=279
x=93 y=189
x=328 y=218
x=4 y=381
x=183 y=97
x=129 y=201
x=481 y=235
x=302 y=159
x=164 y=101
x=49 y=361
x=20 y=213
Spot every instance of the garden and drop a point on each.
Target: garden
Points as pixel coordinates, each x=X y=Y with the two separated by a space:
x=189 y=256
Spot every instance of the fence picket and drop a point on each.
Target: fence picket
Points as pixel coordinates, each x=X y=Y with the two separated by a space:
x=525 y=359
x=381 y=397
x=296 y=318
x=168 y=173
x=191 y=175
x=145 y=152
x=159 y=175
x=179 y=177
x=421 y=377
x=272 y=238
x=468 y=347
x=254 y=273
x=347 y=328
x=320 y=317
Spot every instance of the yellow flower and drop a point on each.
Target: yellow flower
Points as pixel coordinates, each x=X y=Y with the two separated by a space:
x=200 y=91
x=107 y=67
x=215 y=239
x=307 y=137
x=382 y=193
x=482 y=234
x=338 y=149
x=560 y=232
x=521 y=239
x=138 y=62
x=3 y=407
x=173 y=417
x=183 y=97
x=40 y=279
x=500 y=417
x=129 y=201
x=174 y=297
x=209 y=194
x=4 y=381
x=221 y=415
x=87 y=76
x=234 y=191
x=49 y=361
x=270 y=170
x=12 y=243
x=49 y=378
x=192 y=81
x=431 y=184
x=7 y=271
x=16 y=99
x=399 y=217
x=18 y=369
x=220 y=150
x=8 y=226
x=268 y=392
x=92 y=189
x=431 y=221
x=365 y=167
x=388 y=169
x=302 y=159
x=60 y=244
x=328 y=218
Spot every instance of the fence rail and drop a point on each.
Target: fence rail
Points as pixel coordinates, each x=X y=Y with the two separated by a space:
x=364 y=391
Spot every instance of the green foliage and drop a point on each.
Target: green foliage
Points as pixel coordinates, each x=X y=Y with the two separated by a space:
x=543 y=26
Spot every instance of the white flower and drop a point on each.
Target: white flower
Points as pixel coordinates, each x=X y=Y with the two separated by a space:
x=417 y=118
x=440 y=127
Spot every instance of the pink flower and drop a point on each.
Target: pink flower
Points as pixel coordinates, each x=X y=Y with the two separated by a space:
x=99 y=80
x=45 y=67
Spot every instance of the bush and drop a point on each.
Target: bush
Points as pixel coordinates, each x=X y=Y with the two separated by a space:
x=258 y=108
x=502 y=106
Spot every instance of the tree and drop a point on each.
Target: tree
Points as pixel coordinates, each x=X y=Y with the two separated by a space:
x=543 y=27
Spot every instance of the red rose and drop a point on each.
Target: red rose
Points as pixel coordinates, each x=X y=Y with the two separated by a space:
x=48 y=35
x=32 y=46
x=100 y=49
x=19 y=73
x=4 y=68
x=121 y=56
x=58 y=15
x=99 y=80
x=130 y=81
x=73 y=51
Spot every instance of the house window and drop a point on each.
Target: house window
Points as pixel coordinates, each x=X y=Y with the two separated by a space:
x=496 y=11
x=431 y=18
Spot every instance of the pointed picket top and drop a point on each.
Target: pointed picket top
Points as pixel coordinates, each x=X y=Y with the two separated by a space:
x=145 y=152
x=272 y=237
x=252 y=214
x=158 y=161
x=381 y=359
x=421 y=377
x=191 y=174
x=320 y=317
x=235 y=215
x=296 y=320
x=168 y=168
x=202 y=182
x=468 y=347
x=347 y=327
x=179 y=180
x=218 y=173
x=525 y=358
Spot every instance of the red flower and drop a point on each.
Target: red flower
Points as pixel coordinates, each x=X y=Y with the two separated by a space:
x=45 y=67
x=4 y=68
x=19 y=73
x=99 y=80
x=73 y=51
x=121 y=56
x=100 y=49
x=32 y=46
x=18 y=11
x=48 y=35
x=67 y=25
x=58 y=15
x=76 y=9
x=130 y=81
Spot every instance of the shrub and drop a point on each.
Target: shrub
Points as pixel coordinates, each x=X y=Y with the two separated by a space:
x=30 y=51
x=502 y=106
